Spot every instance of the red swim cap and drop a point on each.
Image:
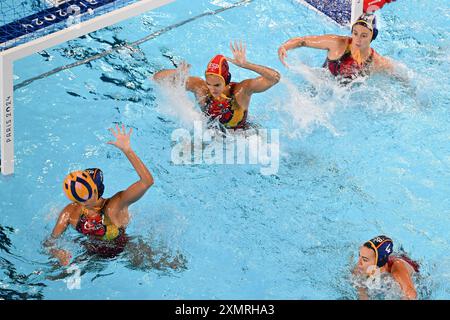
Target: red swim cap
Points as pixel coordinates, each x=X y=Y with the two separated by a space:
x=218 y=66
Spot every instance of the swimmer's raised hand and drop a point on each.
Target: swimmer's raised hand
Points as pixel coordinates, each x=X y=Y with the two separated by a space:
x=182 y=72
x=122 y=138
x=183 y=67
x=239 y=51
x=173 y=76
x=282 y=54
x=269 y=77
x=136 y=190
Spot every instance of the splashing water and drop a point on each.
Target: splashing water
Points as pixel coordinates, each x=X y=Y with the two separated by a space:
x=176 y=103
x=305 y=110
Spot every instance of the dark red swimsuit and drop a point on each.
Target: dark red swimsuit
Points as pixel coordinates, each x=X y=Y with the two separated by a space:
x=226 y=111
x=346 y=66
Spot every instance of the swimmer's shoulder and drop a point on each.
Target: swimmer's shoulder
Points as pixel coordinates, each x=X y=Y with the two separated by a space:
x=234 y=87
x=116 y=211
x=115 y=203
x=399 y=266
x=344 y=41
x=70 y=214
x=337 y=40
x=240 y=91
x=378 y=61
x=340 y=45
x=377 y=58
x=381 y=63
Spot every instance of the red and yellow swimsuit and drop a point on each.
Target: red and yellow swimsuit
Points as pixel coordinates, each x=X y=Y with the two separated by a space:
x=227 y=110
x=107 y=239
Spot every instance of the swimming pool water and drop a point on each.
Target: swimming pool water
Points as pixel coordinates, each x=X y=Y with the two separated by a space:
x=355 y=162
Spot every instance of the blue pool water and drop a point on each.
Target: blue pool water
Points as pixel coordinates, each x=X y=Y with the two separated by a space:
x=355 y=162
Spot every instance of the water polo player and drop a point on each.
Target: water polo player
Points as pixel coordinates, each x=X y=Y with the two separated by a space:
x=377 y=255
x=219 y=97
x=348 y=57
x=103 y=220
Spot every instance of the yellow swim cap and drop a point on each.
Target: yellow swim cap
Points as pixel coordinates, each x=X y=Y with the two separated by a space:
x=79 y=186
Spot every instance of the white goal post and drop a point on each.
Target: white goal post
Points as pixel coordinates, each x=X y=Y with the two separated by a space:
x=357 y=10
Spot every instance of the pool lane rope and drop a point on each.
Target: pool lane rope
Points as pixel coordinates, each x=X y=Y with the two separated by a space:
x=130 y=45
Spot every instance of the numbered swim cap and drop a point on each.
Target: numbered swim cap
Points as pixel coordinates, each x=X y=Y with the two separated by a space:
x=80 y=186
x=218 y=66
x=383 y=247
x=370 y=22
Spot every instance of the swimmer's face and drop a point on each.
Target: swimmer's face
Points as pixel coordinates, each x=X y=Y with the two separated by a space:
x=215 y=85
x=366 y=260
x=361 y=37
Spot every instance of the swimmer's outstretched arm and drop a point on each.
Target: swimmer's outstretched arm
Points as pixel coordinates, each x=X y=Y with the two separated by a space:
x=383 y=64
x=172 y=75
x=393 y=68
x=324 y=42
x=137 y=189
x=269 y=77
x=175 y=76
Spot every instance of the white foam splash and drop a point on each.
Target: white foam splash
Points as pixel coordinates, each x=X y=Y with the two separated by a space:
x=305 y=111
x=73 y=282
x=176 y=103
